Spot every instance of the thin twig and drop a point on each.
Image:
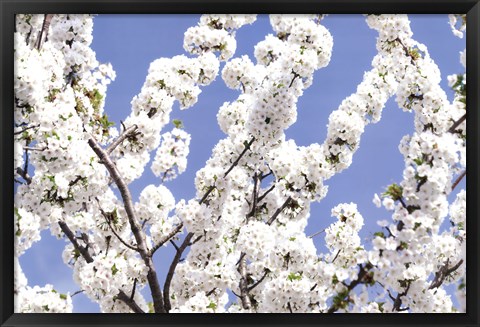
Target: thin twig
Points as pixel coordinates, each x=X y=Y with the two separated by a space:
x=88 y=258
x=260 y=198
x=247 y=147
x=317 y=233
x=107 y=219
x=166 y=238
x=336 y=256
x=121 y=138
x=259 y=281
x=26 y=129
x=279 y=210
x=77 y=292
x=133 y=289
x=459 y=178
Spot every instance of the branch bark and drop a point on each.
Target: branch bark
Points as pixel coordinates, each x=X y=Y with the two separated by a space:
x=166 y=238
x=443 y=273
x=152 y=278
x=171 y=270
x=121 y=138
x=88 y=258
x=45 y=26
x=279 y=211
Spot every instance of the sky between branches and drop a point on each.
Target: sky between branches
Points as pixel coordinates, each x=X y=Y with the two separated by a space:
x=131 y=42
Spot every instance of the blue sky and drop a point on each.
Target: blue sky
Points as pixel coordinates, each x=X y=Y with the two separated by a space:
x=131 y=42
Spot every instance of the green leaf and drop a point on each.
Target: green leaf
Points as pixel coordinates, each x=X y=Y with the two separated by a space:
x=177 y=123
x=379 y=234
x=114 y=269
x=212 y=305
x=294 y=276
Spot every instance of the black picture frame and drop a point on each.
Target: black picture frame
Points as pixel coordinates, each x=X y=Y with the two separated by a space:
x=8 y=8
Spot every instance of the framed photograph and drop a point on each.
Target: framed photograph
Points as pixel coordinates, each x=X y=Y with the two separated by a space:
x=298 y=163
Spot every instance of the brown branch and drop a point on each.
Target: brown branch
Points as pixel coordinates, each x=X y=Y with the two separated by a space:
x=121 y=138
x=279 y=210
x=289 y=306
x=133 y=289
x=171 y=270
x=26 y=129
x=45 y=27
x=88 y=258
x=336 y=256
x=361 y=275
x=244 y=296
x=166 y=238
x=457 y=123
x=317 y=233
x=247 y=147
x=459 y=178
x=68 y=232
x=254 y=197
x=259 y=281
x=261 y=197
x=122 y=296
x=107 y=219
x=24 y=175
x=204 y=198
x=156 y=292
x=397 y=302
x=443 y=273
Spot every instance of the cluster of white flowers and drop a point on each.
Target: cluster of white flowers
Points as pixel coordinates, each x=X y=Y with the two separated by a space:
x=414 y=253
x=246 y=227
x=458 y=23
x=171 y=157
x=216 y=33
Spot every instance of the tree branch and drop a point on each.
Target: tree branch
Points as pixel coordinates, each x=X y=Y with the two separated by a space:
x=26 y=129
x=279 y=210
x=317 y=233
x=261 y=197
x=166 y=238
x=121 y=138
x=247 y=147
x=88 y=258
x=24 y=175
x=171 y=270
x=459 y=178
x=244 y=296
x=45 y=26
x=156 y=292
x=443 y=273
x=251 y=287
x=361 y=275
x=457 y=123
x=107 y=219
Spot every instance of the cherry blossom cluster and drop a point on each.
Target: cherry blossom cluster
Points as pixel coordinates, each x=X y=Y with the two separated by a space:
x=215 y=33
x=171 y=157
x=417 y=256
x=246 y=225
